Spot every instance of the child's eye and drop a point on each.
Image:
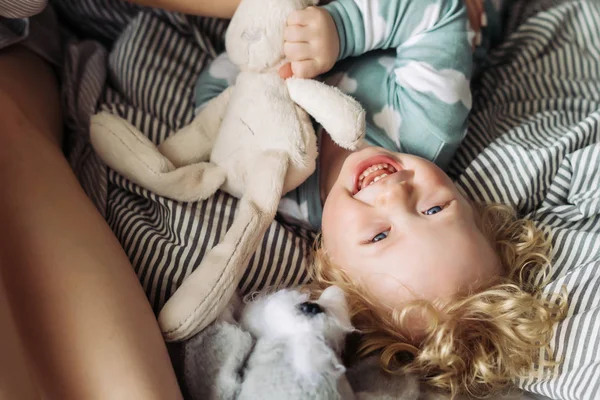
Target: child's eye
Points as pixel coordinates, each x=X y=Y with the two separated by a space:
x=433 y=210
x=380 y=236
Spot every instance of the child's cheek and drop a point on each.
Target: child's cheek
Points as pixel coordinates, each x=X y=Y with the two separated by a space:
x=438 y=178
x=336 y=216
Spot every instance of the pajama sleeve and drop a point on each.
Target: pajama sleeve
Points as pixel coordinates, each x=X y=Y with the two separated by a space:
x=427 y=92
x=218 y=76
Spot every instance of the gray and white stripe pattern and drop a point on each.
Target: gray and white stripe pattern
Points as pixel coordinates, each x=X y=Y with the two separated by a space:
x=22 y=8
x=534 y=143
x=152 y=70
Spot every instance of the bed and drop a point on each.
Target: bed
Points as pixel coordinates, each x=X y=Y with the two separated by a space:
x=533 y=143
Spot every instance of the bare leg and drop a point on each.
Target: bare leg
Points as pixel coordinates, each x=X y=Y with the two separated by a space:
x=16 y=378
x=83 y=321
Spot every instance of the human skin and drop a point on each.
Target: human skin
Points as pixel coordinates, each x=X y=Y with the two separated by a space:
x=75 y=321
x=410 y=235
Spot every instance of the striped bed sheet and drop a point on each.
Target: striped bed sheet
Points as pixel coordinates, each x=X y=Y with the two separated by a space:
x=533 y=143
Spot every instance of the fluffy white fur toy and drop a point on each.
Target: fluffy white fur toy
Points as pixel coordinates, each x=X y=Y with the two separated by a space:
x=283 y=347
x=260 y=142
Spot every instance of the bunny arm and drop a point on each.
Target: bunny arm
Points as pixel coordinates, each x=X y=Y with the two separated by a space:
x=194 y=142
x=342 y=117
x=129 y=152
x=206 y=292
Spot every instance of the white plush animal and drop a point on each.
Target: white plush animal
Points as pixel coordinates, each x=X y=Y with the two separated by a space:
x=255 y=141
x=298 y=348
x=283 y=346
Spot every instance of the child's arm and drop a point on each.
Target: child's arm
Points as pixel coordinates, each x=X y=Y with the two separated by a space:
x=428 y=83
x=208 y=8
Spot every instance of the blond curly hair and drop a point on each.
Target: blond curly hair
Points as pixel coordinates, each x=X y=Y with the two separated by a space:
x=478 y=343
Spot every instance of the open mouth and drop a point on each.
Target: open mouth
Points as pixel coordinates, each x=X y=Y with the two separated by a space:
x=373 y=170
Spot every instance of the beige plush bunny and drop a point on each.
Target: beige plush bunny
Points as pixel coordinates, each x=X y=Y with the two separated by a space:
x=254 y=141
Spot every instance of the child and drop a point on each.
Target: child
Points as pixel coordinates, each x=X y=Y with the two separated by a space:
x=425 y=269
x=413 y=80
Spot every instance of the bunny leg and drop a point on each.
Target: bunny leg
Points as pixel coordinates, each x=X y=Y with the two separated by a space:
x=206 y=292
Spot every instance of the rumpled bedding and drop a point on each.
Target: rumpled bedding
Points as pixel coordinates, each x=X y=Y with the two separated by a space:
x=533 y=143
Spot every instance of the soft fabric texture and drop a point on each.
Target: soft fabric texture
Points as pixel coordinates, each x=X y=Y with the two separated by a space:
x=532 y=142
x=214 y=358
x=282 y=346
x=21 y=9
x=254 y=141
x=30 y=23
x=416 y=94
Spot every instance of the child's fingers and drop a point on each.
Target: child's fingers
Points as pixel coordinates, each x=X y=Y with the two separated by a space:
x=306 y=69
x=296 y=33
x=297 y=51
x=285 y=71
x=299 y=17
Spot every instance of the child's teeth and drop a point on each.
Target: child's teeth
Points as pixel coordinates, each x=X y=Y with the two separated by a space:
x=372 y=169
x=380 y=177
x=375 y=168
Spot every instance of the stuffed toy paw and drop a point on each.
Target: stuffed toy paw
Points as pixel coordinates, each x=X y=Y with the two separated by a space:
x=254 y=141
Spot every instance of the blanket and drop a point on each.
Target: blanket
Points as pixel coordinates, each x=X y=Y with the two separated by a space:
x=533 y=143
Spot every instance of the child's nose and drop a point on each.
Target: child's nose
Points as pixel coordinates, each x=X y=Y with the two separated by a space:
x=397 y=196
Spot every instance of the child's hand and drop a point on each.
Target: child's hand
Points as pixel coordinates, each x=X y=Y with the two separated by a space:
x=312 y=44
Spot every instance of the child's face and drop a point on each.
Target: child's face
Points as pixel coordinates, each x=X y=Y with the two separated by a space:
x=410 y=235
